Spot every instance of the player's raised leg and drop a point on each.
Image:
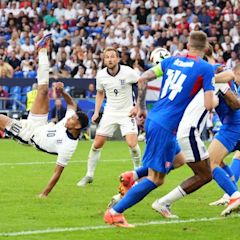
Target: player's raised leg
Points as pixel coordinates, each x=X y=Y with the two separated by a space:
x=40 y=105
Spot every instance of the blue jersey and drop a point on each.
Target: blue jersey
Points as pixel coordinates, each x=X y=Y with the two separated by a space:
x=183 y=77
x=225 y=113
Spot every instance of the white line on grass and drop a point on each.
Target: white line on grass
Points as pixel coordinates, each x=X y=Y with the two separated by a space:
x=86 y=228
x=52 y=162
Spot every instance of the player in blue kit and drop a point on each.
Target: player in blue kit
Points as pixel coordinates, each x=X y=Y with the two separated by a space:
x=183 y=77
x=225 y=142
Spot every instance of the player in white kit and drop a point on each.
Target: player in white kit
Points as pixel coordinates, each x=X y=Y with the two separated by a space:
x=61 y=138
x=116 y=82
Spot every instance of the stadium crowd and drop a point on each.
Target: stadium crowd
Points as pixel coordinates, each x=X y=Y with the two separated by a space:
x=82 y=29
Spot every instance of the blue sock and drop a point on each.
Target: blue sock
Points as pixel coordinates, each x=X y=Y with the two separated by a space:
x=223 y=180
x=134 y=195
x=229 y=171
x=142 y=172
x=235 y=166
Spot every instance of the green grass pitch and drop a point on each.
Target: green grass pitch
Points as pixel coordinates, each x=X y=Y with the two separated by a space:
x=77 y=213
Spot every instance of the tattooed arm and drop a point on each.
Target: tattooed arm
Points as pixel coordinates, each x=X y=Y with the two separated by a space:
x=142 y=87
x=147 y=76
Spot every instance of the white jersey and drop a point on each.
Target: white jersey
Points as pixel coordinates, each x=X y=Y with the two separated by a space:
x=54 y=138
x=195 y=115
x=118 y=89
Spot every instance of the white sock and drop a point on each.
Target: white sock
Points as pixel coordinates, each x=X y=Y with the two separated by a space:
x=113 y=212
x=93 y=158
x=136 y=156
x=43 y=67
x=173 y=196
x=235 y=194
x=135 y=176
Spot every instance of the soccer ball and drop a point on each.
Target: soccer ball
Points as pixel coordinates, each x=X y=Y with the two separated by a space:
x=158 y=54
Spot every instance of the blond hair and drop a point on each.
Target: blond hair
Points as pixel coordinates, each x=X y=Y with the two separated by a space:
x=198 y=40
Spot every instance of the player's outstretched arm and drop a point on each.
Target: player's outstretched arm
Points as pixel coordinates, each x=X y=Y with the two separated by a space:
x=54 y=179
x=224 y=77
x=69 y=100
x=232 y=100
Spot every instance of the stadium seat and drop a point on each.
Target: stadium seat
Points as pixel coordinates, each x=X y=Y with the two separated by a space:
x=18 y=74
x=97 y=30
x=15 y=90
x=26 y=89
x=24 y=99
x=16 y=98
x=32 y=74
x=5 y=88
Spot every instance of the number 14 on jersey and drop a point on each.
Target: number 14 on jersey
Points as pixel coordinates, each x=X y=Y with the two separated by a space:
x=173 y=83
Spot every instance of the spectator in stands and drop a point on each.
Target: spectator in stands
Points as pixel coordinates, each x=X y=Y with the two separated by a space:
x=81 y=72
x=53 y=93
x=58 y=112
x=27 y=64
x=6 y=70
x=31 y=96
x=91 y=92
x=138 y=64
x=50 y=18
x=14 y=61
x=231 y=62
x=3 y=94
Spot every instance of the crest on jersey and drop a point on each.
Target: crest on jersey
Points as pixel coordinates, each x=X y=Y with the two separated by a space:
x=167 y=164
x=122 y=82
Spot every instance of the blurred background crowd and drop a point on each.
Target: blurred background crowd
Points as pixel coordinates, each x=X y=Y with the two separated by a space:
x=82 y=29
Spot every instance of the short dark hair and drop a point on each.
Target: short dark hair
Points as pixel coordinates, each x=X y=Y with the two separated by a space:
x=83 y=118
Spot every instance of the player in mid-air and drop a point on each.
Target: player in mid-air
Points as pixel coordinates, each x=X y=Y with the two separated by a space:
x=61 y=138
x=183 y=77
x=116 y=82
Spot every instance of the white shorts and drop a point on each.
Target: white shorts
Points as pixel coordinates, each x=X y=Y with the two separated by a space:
x=110 y=123
x=23 y=129
x=193 y=147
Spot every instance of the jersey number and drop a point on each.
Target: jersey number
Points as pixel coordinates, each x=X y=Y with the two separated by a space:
x=173 y=83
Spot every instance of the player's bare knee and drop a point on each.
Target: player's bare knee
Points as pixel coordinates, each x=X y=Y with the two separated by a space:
x=207 y=176
x=43 y=89
x=4 y=121
x=157 y=181
x=132 y=145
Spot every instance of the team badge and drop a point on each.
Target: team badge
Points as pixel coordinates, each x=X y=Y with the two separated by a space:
x=122 y=82
x=167 y=164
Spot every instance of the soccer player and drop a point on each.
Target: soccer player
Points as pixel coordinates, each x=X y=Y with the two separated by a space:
x=183 y=77
x=60 y=139
x=226 y=141
x=193 y=150
x=116 y=82
x=195 y=155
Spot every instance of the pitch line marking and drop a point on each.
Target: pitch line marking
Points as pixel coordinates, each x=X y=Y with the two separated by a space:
x=52 y=162
x=86 y=228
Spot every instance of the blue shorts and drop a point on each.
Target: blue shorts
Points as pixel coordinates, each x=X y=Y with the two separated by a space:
x=229 y=136
x=161 y=148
